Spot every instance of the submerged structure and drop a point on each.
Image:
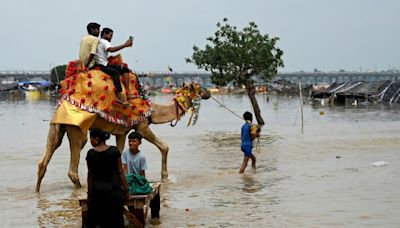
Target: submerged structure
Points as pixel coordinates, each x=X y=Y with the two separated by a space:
x=356 y=92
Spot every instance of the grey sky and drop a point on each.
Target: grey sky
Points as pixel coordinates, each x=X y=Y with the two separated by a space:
x=324 y=34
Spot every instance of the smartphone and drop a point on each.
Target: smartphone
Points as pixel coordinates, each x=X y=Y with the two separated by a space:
x=131 y=37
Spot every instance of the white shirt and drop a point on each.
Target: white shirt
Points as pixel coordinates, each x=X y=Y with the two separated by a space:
x=102 y=53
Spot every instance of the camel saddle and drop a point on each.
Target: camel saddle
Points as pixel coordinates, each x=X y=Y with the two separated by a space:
x=87 y=94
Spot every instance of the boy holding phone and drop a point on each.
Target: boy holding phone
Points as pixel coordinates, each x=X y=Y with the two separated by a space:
x=101 y=59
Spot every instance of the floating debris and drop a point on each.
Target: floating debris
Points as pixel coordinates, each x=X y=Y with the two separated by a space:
x=379 y=163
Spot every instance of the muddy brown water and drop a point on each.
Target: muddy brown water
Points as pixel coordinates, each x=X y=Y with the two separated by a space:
x=322 y=178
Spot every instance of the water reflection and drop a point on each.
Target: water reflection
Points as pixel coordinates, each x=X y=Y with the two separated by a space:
x=11 y=96
x=59 y=210
x=249 y=184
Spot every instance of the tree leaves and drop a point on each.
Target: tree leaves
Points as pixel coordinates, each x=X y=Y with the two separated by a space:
x=236 y=56
x=57 y=73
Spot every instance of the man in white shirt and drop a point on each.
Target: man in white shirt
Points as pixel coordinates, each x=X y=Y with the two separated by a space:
x=101 y=59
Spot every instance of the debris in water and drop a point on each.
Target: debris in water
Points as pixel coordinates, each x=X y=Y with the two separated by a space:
x=379 y=163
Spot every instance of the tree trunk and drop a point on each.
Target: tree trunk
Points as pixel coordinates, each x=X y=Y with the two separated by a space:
x=251 y=92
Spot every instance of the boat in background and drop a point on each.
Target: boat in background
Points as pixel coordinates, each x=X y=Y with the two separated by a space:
x=166 y=90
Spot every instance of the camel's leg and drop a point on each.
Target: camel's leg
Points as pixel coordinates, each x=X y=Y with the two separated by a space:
x=120 y=140
x=54 y=139
x=77 y=140
x=147 y=134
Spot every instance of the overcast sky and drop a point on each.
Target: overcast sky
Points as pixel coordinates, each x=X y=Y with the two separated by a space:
x=325 y=34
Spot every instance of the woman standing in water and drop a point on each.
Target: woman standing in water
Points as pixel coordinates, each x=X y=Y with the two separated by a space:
x=106 y=183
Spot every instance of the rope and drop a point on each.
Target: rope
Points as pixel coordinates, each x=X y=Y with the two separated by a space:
x=220 y=103
x=257 y=147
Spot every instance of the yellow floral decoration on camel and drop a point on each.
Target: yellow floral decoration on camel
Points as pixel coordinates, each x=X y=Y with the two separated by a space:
x=94 y=91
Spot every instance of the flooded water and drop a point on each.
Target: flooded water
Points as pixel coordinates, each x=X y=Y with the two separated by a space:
x=322 y=178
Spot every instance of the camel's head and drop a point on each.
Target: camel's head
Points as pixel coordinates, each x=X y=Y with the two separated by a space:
x=193 y=90
x=189 y=96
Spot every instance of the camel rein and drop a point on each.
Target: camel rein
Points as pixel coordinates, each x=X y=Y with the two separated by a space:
x=179 y=104
x=258 y=149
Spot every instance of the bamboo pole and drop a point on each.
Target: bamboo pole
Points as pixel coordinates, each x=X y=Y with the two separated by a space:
x=301 y=108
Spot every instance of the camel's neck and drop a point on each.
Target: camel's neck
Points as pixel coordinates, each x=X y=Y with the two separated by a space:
x=164 y=113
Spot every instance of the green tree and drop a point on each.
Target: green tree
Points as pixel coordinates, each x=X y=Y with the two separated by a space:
x=57 y=73
x=234 y=56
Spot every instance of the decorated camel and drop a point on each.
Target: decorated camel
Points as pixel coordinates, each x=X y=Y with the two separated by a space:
x=89 y=102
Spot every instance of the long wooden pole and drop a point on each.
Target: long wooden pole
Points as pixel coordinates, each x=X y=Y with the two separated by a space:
x=301 y=109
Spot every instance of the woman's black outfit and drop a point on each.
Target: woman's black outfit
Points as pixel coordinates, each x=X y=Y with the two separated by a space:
x=105 y=194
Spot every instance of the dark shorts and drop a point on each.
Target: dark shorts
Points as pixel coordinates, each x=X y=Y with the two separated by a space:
x=120 y=69
x=247 y=150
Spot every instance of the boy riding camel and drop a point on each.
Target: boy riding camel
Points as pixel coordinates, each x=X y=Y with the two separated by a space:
x=88 y=45
x=101 y=59
x=94 y=53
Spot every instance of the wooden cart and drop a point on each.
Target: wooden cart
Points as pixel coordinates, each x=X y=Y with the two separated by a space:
x=136 y=207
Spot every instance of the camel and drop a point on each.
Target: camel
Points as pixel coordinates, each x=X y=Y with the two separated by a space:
x=162 y=113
